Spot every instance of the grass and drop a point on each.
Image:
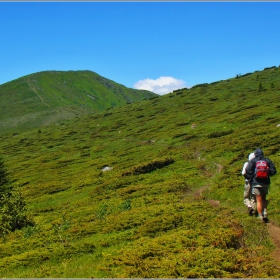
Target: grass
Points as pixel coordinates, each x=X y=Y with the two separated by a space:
x=142 y=218
x=50 y=97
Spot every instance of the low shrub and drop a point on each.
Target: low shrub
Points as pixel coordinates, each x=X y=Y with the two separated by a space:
x=14 y=213
x=218 y=134
x=149 y=167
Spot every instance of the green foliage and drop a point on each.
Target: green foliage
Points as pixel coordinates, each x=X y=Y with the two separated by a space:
x=102 y=212
x=30 y=230
x=260 y=88
x=149 y=167
x=220 y=133
x=191 y=249
x=3 y=176
x=51 y=97
x=126 y=205
x=63 y=225
x=171 y=203
x=14 y=213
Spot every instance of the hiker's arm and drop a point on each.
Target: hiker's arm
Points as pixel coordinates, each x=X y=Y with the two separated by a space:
x=272 y=169
x=246 y=176
x=243 y=172
x=249 y=168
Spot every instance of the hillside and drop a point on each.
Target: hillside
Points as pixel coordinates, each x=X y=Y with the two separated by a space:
x=152 y=189
x=49 y=97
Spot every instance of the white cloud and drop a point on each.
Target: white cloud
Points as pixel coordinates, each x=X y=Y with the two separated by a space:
x=161 y=86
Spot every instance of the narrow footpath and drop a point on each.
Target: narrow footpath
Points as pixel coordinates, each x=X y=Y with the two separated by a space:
x=35 y=91
x=274 y=231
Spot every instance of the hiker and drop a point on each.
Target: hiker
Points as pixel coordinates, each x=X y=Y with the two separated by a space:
x=249 y=198
x=261 y=168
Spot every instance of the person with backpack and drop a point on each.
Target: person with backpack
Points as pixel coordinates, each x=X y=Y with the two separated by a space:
x=261 y=169
x=249 y=198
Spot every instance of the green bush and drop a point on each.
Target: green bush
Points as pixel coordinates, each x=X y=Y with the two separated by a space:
x=149 y=167
x=3 y=176
x=13 y=213
x=220 y=133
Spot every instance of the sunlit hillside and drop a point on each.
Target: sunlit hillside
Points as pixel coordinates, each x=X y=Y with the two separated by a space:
x=151 y=189
x=50 y=97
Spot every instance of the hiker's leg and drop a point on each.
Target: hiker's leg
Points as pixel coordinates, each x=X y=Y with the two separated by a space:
x=265 y=202
x=253 y=202
x=264 y=207
x=259 y=199
x=246 y=195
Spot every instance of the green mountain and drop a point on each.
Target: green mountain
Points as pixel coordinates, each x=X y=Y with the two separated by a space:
x=48 y=97
x=152 y=189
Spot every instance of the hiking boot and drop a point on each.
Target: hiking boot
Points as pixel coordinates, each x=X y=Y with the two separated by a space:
x=251 y=211
x=261 y=218
x=265 y=220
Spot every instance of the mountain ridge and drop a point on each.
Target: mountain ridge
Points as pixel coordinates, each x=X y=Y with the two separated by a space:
x=50 y=96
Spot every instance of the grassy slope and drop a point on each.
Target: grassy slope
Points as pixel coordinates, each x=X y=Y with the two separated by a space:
x=52 y=96
x=141 y=218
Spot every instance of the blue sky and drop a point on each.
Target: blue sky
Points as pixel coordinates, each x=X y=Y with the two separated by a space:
x=160 y=46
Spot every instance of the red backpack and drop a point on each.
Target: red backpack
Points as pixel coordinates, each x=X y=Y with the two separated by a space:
x=261 y=170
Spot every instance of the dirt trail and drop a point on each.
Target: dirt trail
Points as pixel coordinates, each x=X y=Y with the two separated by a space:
x=198 y=193
x=273 y=230
x=34 y=90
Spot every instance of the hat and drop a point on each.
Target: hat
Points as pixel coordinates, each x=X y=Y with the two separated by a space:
x=258 y=152
x=251 y=156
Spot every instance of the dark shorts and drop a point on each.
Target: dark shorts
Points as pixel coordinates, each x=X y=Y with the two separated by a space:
x=260 y=189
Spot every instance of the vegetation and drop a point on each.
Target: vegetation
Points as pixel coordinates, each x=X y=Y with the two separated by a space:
x=51 y=97
x=14 y=213
x=138 y=191
x=3 y=176
x=13 y=209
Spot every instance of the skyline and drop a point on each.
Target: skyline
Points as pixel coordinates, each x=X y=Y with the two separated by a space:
x=159 y=46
